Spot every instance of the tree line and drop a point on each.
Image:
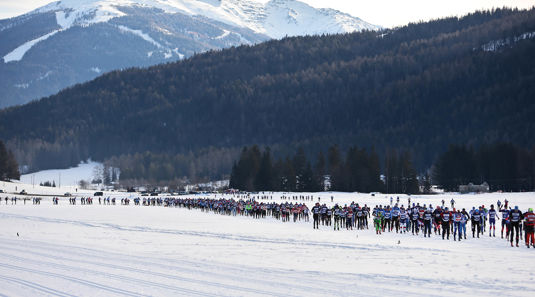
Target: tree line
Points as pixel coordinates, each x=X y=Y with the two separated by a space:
x=9 y=168
x=356 y=170
x=503 y=166
x=165 y=168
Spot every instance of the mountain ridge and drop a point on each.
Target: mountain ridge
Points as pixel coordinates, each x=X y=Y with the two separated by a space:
x=87 y=38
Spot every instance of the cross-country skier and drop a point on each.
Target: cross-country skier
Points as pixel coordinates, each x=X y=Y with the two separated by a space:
x=337 y=213
x=505 y=219
x=414 y=220
x=529 y=221
x=483 y=211
x=316 y=215
x=462 y=226
x=403 y=217
x=428 y=218
x=476 y=223
x=395 y=216
x=377 y=221
x=387 y=219
x=457 y=216
x=493 y=215
x=349 y=219
x=437 y=213
x=516 y=217
x=446 y=218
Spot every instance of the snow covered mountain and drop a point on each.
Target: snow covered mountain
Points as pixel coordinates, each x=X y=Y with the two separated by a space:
x=72 y=41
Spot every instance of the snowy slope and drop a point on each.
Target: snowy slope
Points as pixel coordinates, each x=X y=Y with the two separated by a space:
x=67 y=177
x=145 y=251
x=18 y=53
x=275 y=18
x=73 y=41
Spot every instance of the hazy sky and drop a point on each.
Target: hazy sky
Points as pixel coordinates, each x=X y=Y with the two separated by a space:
x=386 y=13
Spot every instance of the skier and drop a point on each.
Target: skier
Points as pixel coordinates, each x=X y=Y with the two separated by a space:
x=323 y=212
x=316 y=215
x=516 y=218
x=414 y=220
x=349 y=219
x=428 y=218
x=403 y=217
x=446 y=218
x=366 y=212
x=437 y=213
x=483 y=211
x=493 y=215
x=377 y=217
x=457 y=217
x=337 y=213
x=387 y=219
x=505 y=219
x=395 y=216
x=476 y=223
x=462 y=224
x=529 y=227
x=360 y=218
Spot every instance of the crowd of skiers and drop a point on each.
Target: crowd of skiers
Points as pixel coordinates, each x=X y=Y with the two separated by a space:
x=415 y=219
x=286 y=211
x=349 y=217
x=14 y=199
x=445 y=221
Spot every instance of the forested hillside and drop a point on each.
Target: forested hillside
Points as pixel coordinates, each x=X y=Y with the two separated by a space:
x=8 y=165
x=417 y=88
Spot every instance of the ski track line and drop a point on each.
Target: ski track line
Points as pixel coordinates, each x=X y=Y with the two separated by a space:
x=72 y=279
x=191 y=233
x=203 y=272
x=244 y=270
x=361 y=247
x=152 y=273
x=166 y=260
x=387 y=279
x=151 y=283
x=35 y=286
x=268 y=273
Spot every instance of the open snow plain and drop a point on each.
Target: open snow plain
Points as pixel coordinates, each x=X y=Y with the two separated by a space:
x=98 y=250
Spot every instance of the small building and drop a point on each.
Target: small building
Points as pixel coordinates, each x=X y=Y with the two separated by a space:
x=471 y=188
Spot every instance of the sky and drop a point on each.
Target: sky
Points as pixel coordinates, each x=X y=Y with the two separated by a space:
x=386 y=13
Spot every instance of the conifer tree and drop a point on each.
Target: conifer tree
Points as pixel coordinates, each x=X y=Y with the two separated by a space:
x=264 y=177
x=334 y=166
x=319 y=172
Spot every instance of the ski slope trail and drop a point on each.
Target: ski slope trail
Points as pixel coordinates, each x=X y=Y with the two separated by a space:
x=96 y=250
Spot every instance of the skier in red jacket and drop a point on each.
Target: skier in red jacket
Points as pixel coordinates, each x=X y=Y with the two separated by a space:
x=529 y=222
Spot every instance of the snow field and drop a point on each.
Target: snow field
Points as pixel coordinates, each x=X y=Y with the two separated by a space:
x=69 y=177
x=98 y=250
x=19 y=52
